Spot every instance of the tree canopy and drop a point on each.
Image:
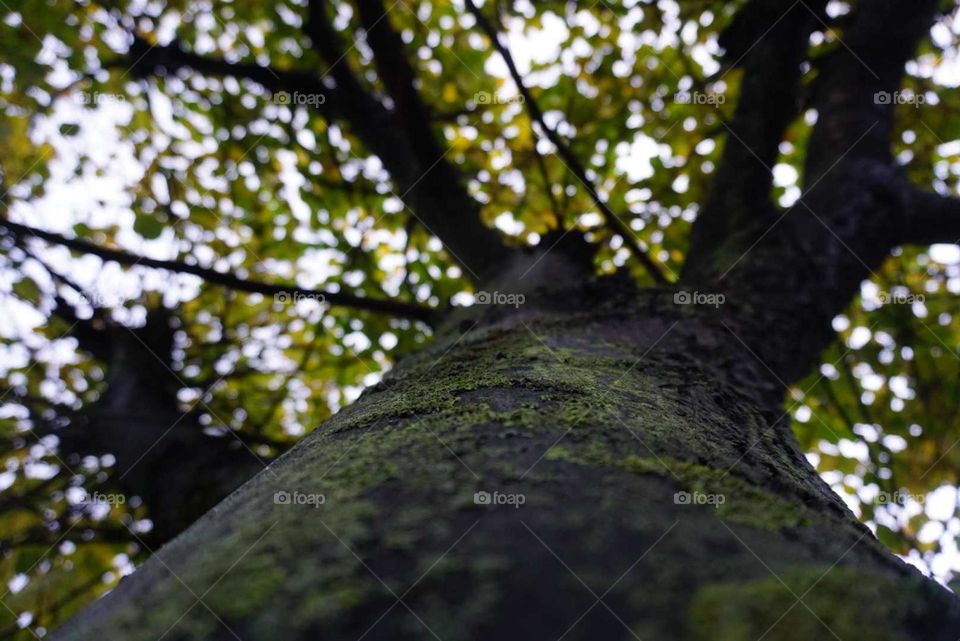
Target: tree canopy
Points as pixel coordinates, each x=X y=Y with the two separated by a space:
x=297 y=190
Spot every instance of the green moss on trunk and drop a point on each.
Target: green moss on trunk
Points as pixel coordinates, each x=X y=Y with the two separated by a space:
x=597 y=421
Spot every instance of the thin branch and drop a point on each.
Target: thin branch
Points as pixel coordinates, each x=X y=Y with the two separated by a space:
x=84 y=590
x=563 y=149
x=547 y=183
x=54 y=274
x=408 y=229
x=376 y=305
x=276 y=401
x=854 y=385
x=43 y=536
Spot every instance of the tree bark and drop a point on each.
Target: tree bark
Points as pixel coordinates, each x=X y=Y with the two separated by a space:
x=595 y=402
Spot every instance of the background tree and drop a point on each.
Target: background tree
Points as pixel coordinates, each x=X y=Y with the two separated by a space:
x=221 y=221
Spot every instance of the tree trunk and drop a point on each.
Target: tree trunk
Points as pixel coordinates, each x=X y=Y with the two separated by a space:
x=642 y=483
x=162 y=454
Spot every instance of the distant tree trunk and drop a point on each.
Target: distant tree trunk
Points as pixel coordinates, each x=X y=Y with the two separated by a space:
x=642 y=478
x=162 y=454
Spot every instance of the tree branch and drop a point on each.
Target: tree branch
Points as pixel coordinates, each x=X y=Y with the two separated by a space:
x=405 y=141
x=769 y=41
x=563 y=150
x=431 y=186
x=931 y=218
x=882 y=37
x=399 y=78
x=145 y=59
x=806 y=265
x=376 y=305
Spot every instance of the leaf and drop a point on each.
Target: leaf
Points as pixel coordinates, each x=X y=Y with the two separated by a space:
x=148 y=226
x=28 y=290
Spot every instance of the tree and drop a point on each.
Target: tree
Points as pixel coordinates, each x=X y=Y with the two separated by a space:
x=599 y=445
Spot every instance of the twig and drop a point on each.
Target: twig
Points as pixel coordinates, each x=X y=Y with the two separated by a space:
x=563 y=149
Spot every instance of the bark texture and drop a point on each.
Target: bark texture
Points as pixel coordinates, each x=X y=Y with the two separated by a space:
x=595 y=402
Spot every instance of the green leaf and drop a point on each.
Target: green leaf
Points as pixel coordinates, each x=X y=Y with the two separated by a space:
x=148 y=226
x=28 y=290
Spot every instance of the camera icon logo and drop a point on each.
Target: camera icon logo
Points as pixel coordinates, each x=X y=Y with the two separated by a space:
x=682 y=298
x=281 y=98
x=281 y=498
x=482 y=498
x=482 y=98
x=882 y=98
x=682 y=498
x=483 y=298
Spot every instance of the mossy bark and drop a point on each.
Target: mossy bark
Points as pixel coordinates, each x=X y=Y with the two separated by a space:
x=597 y=406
